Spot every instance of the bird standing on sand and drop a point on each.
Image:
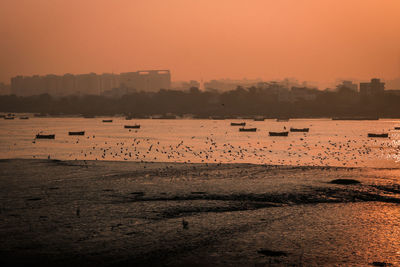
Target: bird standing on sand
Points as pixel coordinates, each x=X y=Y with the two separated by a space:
x=185 y=224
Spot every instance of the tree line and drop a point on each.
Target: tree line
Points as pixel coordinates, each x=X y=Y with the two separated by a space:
x=240 y=102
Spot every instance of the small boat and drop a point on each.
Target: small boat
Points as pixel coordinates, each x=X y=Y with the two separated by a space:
x=259 y=119
x=76 y=133
x=8 y=118
x=397 y=128
x=382 y=135
x=45 y=136
x=107 y=120
x=304 y=130
x=247 y=129
x=238 y=124
x=278 y=133
x=24 y=118
x=137 y=126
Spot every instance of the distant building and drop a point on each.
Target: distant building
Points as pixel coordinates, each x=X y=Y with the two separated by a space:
x=373 y=88
x=347 y=85
x=224 y=85
x=182 y=85
x=392 y=92
x=146 y=80
x=108 y=81
x=302 y=93
x=91 y=83
x=4 y=89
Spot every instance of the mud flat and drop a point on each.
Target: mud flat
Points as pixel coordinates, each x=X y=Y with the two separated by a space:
x=139 y=214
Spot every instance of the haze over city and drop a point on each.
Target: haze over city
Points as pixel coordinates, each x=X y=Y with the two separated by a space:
x=310 y=40
x=199 y=133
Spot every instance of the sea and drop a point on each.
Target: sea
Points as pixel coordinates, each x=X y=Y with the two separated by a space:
x=341 y=143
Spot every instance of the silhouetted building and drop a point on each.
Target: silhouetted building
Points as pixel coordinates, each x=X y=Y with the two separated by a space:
x=182 y=85
x=373 y=88
x=4 y=89
x=303 y=93
x=90 y=84
x=146 y=80
x=347 y=85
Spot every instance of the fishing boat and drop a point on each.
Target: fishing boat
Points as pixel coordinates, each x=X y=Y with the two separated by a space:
x=107 y=120
x=238 y=124
x=304 y=130
x=45 y=136
x=247 y=129
x=278 y=133
x=397 y=128
x=8 y=118
x=136 y=126
x=77 y=133
x=24 y=118
x=382 y=135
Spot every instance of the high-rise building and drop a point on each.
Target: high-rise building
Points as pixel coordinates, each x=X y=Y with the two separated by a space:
x=373 y=88
x=146 y=80
x=91 y=83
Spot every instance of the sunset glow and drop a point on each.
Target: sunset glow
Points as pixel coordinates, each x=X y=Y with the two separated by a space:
x=310 y=40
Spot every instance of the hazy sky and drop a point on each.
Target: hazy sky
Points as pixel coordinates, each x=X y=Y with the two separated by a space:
x=317 y=40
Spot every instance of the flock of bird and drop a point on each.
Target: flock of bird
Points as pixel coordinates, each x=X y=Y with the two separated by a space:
x=299 y=149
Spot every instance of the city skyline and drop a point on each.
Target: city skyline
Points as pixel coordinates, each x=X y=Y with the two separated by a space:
x=312 y=40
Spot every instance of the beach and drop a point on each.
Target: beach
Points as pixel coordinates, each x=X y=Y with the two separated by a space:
x=113 y=213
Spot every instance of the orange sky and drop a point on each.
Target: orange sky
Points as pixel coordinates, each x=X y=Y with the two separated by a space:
x=317 y=40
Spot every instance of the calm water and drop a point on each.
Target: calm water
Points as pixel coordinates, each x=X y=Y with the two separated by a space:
x=329 y=143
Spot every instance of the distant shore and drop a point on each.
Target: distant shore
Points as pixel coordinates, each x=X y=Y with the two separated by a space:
x=111 y=213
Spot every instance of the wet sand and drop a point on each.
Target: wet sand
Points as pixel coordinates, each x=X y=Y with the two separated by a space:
x=133 y=214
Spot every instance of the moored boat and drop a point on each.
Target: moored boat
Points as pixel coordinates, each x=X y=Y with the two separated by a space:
x=238 y=124
x=136 y=126
x=382 y=135
x=107 y=120
x=77 y=133
x=24 y=118
x=304 y=130
x=397 y=128
x=278 y=133
x=8 y=118
x=247 y=129
x=45 y=136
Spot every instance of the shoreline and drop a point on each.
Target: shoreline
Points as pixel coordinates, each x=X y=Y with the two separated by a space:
x=118 y=214
x=238 y=164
